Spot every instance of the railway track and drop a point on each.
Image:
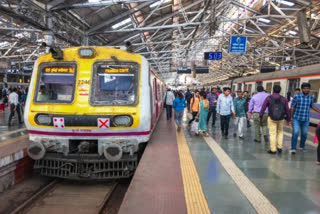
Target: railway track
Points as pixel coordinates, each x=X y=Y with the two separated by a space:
x=68 y=197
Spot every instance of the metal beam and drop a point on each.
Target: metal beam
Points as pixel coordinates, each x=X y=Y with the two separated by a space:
x=154 y=27
x=94 y=4
x=117 y=18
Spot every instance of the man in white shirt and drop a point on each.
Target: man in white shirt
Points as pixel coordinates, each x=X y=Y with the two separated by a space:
x=14 y=106
x=169 y=102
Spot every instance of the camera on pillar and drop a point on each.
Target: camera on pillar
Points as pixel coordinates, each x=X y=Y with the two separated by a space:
x=56 y=52
x=129 y=47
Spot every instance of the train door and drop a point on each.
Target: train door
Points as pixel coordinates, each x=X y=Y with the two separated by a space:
x=156 y=96
x=269 y=87
x=314 y=89
x=292 y=85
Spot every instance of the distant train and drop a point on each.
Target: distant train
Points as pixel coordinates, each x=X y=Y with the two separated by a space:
x=289 y=80
x=89 y=110
x=14 y=84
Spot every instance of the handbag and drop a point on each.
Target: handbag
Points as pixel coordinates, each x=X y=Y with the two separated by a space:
x=194 y=127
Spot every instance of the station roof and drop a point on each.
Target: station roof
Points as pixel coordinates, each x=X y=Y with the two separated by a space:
x=169 y=33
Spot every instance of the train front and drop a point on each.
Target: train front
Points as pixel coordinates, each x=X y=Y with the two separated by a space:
x=85 y=113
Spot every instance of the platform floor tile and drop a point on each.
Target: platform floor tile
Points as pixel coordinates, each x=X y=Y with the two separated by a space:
x=290 y=182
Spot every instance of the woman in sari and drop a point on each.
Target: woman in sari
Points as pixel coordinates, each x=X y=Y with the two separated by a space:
x=203 y=114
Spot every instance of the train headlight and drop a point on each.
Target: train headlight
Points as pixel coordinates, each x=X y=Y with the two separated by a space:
x=122 y=120
x=86 y=52
x=43 y=119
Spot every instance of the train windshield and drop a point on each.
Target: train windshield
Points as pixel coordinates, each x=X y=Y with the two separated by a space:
x=55 y=83
x=114 y=83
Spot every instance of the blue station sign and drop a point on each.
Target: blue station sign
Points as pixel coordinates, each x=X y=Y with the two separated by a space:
x=238 y=44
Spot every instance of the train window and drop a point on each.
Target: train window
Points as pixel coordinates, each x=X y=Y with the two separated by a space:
x=233 y=88
x=114 y=83
x=314 y=90
x=292 y=85
x=239 y=86
x=245 y=87
x=269 y=87
x=258 y=84
x=250 y=88
x=55 y=83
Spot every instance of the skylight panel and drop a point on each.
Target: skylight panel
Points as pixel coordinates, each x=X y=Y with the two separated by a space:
x=159 y=3
x=122 y=23
x=3 y=44
x=288 y=3
x=292 y=32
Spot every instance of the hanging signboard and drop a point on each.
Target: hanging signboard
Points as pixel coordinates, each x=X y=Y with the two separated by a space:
x=267 y=68
x=238 y=44
x=183 y=70
x=202 y=70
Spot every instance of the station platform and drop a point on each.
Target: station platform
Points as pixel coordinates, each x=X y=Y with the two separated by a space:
x=183 y=173
x=15 y=165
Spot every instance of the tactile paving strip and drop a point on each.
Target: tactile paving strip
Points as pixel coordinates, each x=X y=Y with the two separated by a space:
x=260 y=203
x=195 y=199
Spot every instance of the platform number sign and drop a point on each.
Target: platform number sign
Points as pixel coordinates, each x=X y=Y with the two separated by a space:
x=103 y=123
x=58 y=122
x=213 y=55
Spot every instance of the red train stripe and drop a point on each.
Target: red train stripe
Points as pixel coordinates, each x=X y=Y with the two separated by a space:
x=89 y=134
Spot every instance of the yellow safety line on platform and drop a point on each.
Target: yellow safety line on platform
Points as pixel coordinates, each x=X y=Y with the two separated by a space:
x=12 y=132
x=260 y=203
x=12 y=140
x=195 y=199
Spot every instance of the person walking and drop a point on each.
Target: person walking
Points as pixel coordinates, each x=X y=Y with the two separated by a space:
x=213 y=99
x=203 y=114
x=188 y=97
x=194 y=106
x=255 y=105
x=225 y=109
x=240 y=109
x=169 y=102
x=318 y=148
x=14 y=106
x=247 y=98
x=300 y=111
x=278 y=110
x=179 y=104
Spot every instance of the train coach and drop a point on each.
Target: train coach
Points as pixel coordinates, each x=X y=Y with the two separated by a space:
x=289 y=80
x=90 y=110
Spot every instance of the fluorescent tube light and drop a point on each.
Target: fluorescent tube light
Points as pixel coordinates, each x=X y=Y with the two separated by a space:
x=264 y=20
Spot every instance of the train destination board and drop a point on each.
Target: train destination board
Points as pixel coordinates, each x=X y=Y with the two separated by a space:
x=59 y=70
x=213 y=55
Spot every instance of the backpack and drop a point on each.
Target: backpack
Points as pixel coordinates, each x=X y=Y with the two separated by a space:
x=4 y=92
x=277 y=109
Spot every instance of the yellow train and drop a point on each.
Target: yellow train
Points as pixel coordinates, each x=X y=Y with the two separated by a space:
x=89 y=109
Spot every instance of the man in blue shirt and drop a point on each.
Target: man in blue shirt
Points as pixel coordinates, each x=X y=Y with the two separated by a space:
x=300 y=111
x=213 y=99
x=225 y=109
x=188 y=97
